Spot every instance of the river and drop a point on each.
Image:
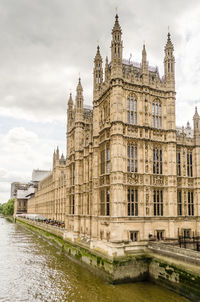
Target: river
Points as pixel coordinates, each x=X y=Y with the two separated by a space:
x=33 y=270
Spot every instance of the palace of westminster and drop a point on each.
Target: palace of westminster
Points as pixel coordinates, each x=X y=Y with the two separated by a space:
x=129 y=173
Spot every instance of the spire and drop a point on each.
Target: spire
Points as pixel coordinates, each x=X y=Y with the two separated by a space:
x=169 y=44
x=116 y=27
x=116 y=49
x=54 y=158
x=70 y=110
x=62 y=159
x=98 y=72
x=70 y=102
x=57 y=153
x=79 y=96
x=98 y=55
x=144 y=59
x=79 y=86
x=196 y=124
x=196 y=115
x=106 y=70
x=169 y=63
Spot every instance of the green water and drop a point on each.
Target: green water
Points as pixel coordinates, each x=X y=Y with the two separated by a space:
x=33 y=270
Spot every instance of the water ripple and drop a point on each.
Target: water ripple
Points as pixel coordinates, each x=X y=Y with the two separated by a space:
x=31 y=270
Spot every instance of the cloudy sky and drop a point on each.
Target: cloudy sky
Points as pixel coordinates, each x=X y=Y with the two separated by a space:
x=45 y=44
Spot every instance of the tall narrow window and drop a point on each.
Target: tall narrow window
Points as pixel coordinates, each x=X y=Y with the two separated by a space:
x=103 y=162
x=107 y=159
x=179 y=199
x=178 y=160
x=158 y=202
x=71 y=205
x=156 y=115
x=131 y=110
x=88 y=204
x=105 y=202
x=157 y=160
x=132 y=198
x=102 y=202
x=190 y=204
x=73 y=174
x=132 y=158
x=189 y=163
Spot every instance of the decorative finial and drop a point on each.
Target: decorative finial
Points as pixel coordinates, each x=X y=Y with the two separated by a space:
x=169 y=35
x=116 y=10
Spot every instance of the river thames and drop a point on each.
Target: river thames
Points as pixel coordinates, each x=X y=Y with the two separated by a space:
x=33 y=270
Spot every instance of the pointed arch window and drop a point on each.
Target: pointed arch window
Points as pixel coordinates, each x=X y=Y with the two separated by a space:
x=132 y=110
x=157 y=114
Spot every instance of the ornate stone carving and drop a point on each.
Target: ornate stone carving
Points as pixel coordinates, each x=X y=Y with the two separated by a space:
x=158 y=181
x=133 y=179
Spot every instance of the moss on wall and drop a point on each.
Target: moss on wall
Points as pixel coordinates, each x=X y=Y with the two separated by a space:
x=129 y=268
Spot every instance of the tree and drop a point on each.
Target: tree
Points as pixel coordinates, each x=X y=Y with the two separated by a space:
x=7 y=208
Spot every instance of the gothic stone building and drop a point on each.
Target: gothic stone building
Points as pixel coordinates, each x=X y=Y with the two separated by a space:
x=129 y=174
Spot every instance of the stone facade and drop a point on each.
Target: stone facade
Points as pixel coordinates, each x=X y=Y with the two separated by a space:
x=129 y=174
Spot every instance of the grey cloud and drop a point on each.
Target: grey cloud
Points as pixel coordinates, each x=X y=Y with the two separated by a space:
x=62 y=35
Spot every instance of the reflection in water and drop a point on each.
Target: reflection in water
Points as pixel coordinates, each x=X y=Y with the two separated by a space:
x=33 y=270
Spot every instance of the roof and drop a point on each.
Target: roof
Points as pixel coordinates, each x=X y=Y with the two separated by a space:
x=38 y=175
x=138 y=65
x=188 y=131
x=88 y=107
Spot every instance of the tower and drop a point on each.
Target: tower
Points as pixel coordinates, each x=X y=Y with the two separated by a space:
x=144 y=65
x=106 y=70
x=79 y=101
x=116 y=50
x=169 y=63
x=98 y=72
x=70 y=110
x=196 y=122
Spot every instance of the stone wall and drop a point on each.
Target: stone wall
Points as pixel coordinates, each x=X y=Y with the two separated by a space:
x=172 y=267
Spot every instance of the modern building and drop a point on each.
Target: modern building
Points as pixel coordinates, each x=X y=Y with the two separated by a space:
x=21 y=192
x=129 y=174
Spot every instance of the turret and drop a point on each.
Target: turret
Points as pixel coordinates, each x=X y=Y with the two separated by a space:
x=57 y=154
x=106 y=70
x=169 y=63
x=144 y=65
x=79 y=101
x=144 y=60
x=62 y=160
x=116 y=49
x=98 y=71
x=70 y=109
x=54 y=159
x=196 y=121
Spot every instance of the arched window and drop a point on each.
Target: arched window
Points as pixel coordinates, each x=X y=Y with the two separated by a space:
x=131 y=110
x=156 y=115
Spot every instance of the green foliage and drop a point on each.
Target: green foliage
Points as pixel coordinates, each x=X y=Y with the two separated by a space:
x=7 y=208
